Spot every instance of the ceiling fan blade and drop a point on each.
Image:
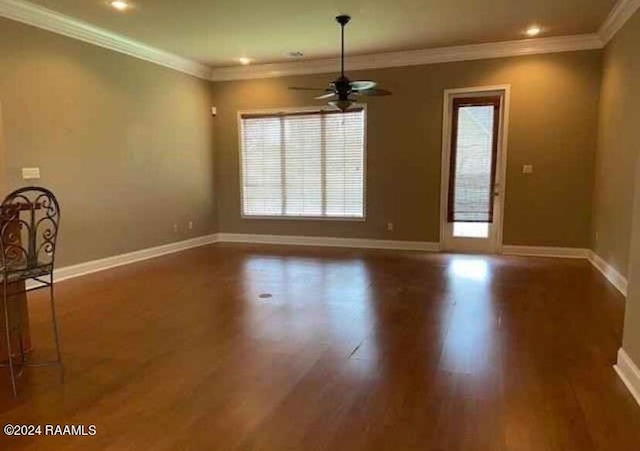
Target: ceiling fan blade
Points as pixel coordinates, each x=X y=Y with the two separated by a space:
x=294 y=88
x=362 y=85
x=374 y=92
x=326 y=96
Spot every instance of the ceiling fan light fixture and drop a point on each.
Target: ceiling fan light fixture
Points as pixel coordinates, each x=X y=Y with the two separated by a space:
x=533 y=30
x=120 y=5
x=342 y=105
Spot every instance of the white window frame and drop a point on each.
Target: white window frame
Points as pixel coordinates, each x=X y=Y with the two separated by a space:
x=305 y=109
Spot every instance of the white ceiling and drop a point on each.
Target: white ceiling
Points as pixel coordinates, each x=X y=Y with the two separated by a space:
x=218 y=32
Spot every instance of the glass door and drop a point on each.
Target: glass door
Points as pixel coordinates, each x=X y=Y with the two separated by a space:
x=472 y=217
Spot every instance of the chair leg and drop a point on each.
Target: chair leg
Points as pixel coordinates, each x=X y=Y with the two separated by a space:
x=23 y=357
x=7 y=326
x=55 y=330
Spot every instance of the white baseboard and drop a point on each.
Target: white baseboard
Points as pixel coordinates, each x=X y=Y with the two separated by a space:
x=629 y=373
x=542 y=251
x=70 y=272
x=609 y=272
x=363 y=243
x=82 y=269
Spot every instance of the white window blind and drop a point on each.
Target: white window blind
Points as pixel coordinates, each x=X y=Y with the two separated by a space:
x=303 y=164
x=473 y=159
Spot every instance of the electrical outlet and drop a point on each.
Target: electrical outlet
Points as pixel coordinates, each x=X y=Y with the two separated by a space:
x=190 y=225
x=175 y=227
x=390 y=226
x=527 y=169
x=30 y=173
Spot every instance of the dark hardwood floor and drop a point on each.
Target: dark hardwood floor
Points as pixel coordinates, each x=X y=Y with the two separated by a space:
x=232 y=347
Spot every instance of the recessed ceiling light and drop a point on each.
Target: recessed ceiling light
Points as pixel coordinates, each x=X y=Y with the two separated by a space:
x=120 y=5
x=244 y=61
x=533 y=30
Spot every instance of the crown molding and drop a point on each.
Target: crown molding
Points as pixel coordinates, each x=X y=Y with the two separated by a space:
x=414 y=57
x=621 y=12
x=49 y=20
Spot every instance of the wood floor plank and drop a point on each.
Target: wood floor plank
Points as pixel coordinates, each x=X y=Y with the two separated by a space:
x=237 y=347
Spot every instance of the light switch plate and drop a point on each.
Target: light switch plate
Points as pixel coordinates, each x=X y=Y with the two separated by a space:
x=30 y=173
x=527 y=169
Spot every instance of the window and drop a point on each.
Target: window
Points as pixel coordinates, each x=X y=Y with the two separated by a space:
x=303 y=164
x=473 y=164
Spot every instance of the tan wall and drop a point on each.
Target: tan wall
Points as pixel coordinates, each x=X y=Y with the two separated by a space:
x=618 y=147
x=553 y=126
x=3 y=154
x=631 y=339
x=126 y=145
x=617 y=211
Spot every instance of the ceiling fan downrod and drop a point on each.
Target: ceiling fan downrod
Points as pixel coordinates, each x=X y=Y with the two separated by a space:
x=343 y=20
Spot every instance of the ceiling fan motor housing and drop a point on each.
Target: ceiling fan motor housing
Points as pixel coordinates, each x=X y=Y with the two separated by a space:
x=343 y=87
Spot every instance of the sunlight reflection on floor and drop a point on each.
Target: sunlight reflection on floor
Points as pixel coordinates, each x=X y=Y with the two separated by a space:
x=470 y=268
x=469 y=343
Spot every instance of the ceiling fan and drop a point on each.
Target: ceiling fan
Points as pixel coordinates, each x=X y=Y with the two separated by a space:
x=340 y=91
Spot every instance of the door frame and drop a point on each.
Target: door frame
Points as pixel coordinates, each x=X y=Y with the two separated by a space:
x=501 y=173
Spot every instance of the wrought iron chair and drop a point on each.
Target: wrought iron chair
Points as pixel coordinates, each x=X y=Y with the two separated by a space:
x=28 y=231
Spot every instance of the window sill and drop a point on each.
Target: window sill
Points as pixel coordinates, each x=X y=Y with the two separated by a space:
x=309 y=218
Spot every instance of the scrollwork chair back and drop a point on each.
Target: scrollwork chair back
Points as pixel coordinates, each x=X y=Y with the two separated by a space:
x=29 y=232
